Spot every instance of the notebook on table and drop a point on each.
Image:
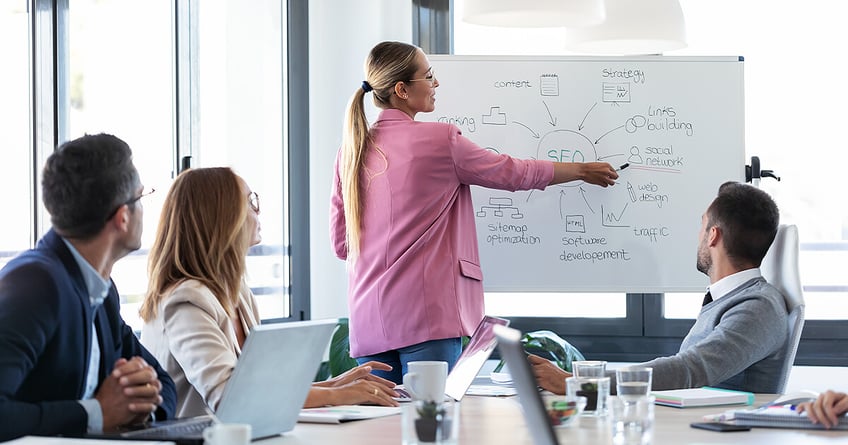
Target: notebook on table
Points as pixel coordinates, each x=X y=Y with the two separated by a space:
x=706 y=396
x=473 y=357
x=780 y=417
x=266 y=389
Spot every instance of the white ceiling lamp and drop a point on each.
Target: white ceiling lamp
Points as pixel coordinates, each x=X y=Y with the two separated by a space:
x=632 y=27
x=533 y=13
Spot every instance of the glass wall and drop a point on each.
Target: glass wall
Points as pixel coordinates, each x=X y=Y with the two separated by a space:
x=16 y=179
x=120 y=75
x=240 y=91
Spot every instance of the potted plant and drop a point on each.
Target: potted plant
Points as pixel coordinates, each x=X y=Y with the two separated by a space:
x=433 y=424
x=590 y=392
x=551 y=346
x=340 y=360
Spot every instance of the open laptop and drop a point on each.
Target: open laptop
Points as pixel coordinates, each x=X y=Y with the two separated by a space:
x=469 y=363
x=509 y=343
x=267 y=388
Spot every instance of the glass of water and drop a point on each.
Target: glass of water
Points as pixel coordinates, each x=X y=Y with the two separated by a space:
x=589 y=368
x=633 y=381
x=632 y=420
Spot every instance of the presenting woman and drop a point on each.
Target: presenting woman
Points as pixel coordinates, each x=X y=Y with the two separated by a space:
x=401 y=214
x=198 y=309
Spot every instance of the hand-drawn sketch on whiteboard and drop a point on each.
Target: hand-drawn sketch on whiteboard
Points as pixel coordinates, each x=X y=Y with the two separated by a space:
x=677 y=121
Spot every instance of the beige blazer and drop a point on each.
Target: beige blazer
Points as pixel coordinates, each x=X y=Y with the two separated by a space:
x=194 y=339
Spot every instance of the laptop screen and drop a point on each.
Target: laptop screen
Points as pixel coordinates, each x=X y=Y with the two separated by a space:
x=475 y=354
x=509 y=343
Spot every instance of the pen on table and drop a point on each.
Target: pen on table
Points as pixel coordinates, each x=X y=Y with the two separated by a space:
x=623 y=166
x=787 y=406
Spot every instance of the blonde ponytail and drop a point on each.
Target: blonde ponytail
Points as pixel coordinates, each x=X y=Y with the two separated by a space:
x=354 y=145
x=387 y=64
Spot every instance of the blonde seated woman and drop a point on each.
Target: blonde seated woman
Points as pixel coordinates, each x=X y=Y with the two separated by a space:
x=198 y=309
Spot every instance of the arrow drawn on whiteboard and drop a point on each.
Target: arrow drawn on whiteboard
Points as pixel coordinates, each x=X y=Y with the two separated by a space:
x=583 y=194
x=552 y=119
x=535 y=135
x=601 y=158
x=580 y=127
x=602 y=136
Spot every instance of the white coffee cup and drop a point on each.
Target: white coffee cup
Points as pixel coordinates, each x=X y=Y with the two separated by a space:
x=227 y=434
x=425 y=380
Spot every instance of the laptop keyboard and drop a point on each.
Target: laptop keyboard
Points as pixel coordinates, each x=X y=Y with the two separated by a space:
x=402 y=394
x=188 y=428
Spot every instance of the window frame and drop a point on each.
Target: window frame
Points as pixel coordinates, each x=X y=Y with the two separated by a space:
x=49 y=66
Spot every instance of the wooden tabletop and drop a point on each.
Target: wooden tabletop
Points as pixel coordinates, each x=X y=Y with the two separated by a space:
x=491 y=420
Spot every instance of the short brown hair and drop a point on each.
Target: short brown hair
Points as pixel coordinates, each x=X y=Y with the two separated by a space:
x=748 y=218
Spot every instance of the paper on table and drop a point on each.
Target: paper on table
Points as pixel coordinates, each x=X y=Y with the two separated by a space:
x=32 y=440
x=345 y=413
x=491 y=390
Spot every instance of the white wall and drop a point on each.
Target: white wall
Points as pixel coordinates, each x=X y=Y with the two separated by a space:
x=341 y=33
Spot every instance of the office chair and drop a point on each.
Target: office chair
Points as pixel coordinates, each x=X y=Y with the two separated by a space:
x=780 y=269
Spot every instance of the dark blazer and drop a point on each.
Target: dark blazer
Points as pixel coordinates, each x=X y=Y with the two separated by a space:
x=45 y=341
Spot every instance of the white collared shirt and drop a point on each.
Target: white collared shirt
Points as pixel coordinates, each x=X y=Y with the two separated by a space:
x=98 y=289
x=723 y=286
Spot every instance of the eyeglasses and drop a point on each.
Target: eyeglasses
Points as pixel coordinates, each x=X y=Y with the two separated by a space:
x=253 y=201
x=130 y=201
x=431 y=77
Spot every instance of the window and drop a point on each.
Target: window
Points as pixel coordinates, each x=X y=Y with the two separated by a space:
x=16 y=181
x=120 y=65
x=792 y=123
x=172 y=78
x=240 y=93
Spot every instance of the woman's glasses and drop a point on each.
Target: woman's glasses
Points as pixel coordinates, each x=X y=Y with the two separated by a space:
x=430 y=77
x=253 y=201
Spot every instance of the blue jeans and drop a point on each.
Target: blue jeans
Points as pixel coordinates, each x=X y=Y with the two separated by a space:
x=446 y=350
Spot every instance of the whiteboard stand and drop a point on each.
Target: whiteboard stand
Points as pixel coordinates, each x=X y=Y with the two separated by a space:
x=753 y=173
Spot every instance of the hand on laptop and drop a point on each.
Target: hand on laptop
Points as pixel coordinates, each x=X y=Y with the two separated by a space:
x=548 y=375
x=129 y=393
x=359 y=372
x=356 y=386
x=826 y=408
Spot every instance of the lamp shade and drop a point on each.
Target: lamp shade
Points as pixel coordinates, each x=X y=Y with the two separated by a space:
x=533 y=13
x=632 y=27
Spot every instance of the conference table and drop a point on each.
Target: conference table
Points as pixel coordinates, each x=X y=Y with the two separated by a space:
x=498 y=420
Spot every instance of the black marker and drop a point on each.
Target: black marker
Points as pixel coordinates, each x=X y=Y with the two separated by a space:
x=623 y=166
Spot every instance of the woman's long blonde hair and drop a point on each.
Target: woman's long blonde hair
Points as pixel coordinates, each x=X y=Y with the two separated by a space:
x=203 y=235
x=387 y=64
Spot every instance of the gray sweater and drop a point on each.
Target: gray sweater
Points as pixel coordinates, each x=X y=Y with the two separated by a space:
x=738 y=342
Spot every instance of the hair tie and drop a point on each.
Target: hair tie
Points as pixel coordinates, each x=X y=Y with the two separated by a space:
x=366 y=86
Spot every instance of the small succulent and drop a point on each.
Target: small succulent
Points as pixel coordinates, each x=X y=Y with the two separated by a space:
x=433 y=423
x=430 y=409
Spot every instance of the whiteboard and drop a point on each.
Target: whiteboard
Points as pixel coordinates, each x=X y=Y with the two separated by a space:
x=677 y=121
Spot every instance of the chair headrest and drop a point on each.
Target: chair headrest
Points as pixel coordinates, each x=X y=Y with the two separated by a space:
x=780 y=265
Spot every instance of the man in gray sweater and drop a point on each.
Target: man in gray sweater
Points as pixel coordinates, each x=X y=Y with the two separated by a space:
x=738 y=341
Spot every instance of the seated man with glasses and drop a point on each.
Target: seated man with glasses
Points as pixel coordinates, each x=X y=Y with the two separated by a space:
x=69 y=365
